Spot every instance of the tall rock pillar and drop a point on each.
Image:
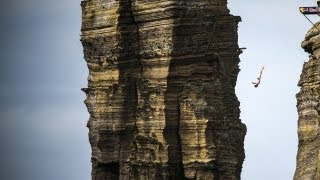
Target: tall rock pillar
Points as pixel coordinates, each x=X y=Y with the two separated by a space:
x=161 y=89
x=308 y=104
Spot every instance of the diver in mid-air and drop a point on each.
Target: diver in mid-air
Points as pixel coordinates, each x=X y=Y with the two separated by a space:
x=256 y=84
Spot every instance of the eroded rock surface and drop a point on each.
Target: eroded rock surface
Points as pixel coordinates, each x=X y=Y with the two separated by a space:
x=161 y=89
x=308 y=103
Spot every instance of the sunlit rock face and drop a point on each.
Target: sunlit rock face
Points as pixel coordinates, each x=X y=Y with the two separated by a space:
x=308 y=104
x=161 y=89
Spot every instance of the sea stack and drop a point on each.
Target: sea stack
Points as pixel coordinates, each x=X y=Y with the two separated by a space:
x=308 y=104
x=161 y=89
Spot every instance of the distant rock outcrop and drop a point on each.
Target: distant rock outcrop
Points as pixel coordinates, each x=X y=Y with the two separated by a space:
x=308 y=104
x=161 y=89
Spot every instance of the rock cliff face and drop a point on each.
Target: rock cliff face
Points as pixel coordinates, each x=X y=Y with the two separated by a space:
x=161 y=89
x=308 y=103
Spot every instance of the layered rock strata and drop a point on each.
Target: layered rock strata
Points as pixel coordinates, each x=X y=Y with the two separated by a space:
x=161 y=89
x=308 y=104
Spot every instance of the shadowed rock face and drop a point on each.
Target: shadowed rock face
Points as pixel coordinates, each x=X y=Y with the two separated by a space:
x=161 y=89
x=308 y=104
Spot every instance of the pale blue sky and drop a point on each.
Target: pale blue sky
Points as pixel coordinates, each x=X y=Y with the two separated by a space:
x=272 y=32
x=43 y=119
x=43 y=129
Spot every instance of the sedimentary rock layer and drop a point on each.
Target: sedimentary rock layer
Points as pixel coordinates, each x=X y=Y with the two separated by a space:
x=161 y=89
x=308 y=104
